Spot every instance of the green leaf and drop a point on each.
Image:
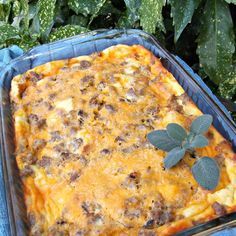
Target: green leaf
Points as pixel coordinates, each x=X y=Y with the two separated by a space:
x=176 y=132
x=25 y=12
x=231 y=1
x=206 y=172
x=108 y=7
x=5 y=10
x=88 y=7
x=227 y=89
x=161 y=140
x=201 y=124
x=46 y=16
x=7 y=32
x=216 y=40
x=78 y=20
x=182 y=12
x=173 y=157
x=16 y=8
x=66 y=31
x=199 y=141
x=151 y=15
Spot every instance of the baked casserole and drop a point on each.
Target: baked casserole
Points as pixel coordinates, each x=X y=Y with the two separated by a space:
x=83 y=156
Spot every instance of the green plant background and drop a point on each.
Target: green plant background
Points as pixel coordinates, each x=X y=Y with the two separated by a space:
x=202 y=32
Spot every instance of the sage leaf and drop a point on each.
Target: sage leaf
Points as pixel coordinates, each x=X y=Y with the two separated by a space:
x=199 y=141
x=151 y=15
x=66 y=31
x=216 y=43
x=182 y=12
x=201 y=124
x=176 y=132
x=206 y=172
x=161 y=140
x=173 y=157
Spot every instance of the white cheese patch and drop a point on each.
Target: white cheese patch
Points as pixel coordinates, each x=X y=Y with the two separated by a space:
x=66 y=104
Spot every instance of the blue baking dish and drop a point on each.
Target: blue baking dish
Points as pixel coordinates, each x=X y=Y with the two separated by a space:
x=86 y=44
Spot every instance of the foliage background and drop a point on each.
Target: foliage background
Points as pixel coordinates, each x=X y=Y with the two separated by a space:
x=202 y=32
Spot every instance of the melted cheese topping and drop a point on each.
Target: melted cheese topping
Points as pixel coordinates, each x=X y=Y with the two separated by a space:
x=87 y=168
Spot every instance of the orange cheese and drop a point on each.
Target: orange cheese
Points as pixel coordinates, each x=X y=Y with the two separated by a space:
x=81 y=147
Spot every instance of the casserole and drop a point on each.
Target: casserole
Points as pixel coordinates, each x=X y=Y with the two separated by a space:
x=230 y=130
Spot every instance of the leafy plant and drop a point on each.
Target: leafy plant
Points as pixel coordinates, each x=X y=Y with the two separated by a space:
x=177 y=142
x=199 y=31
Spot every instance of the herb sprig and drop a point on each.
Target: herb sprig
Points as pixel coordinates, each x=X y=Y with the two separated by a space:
x=177 y=142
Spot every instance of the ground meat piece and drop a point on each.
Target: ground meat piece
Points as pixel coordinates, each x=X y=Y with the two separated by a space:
x=160 y=212
x=105 y=151
x=110 y=108
x=76 y=143
x=83 y=160
x=102 y=85
x=132 y=181
x=219 y=209
x=83 y=114
x=44 y=162
x=30 y=159
x=150 y=224
x=74 y=176
x=35 y=77
x=129 y=149
x=35 y=121
x=131 y=95
x=146 y=232
x=26 y=171
x=84 y=65
x=81 y=233
x=86 y=81
x=95 y=103
x=38 y=144
x=133 y=213
x=173 y=105
x=96 y=219
x=31 y=219
x=153 y=111
x=65 y=155
x=119 y=140
x=55 y=136
x=91 y=208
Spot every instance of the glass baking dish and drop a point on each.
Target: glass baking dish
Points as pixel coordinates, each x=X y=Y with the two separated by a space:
x=85 y=44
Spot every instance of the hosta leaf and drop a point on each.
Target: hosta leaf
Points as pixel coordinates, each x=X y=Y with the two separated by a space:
x=199 y=141
x=7 y=32
x=201 y=124
x=176 y=132
x=151 y=15
x=88 y=7
x=161 y=140
x=66 y=31
x=206 y=172
x=182 y=12
x=173 y=157
x=216 y=40
x=46 y=16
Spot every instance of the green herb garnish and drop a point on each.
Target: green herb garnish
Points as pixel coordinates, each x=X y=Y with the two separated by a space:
x=177 y=142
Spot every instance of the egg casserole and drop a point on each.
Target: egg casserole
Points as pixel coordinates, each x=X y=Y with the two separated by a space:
x=83 y=156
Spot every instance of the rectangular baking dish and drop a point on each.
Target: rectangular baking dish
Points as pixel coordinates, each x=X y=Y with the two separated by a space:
x=86 y=44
